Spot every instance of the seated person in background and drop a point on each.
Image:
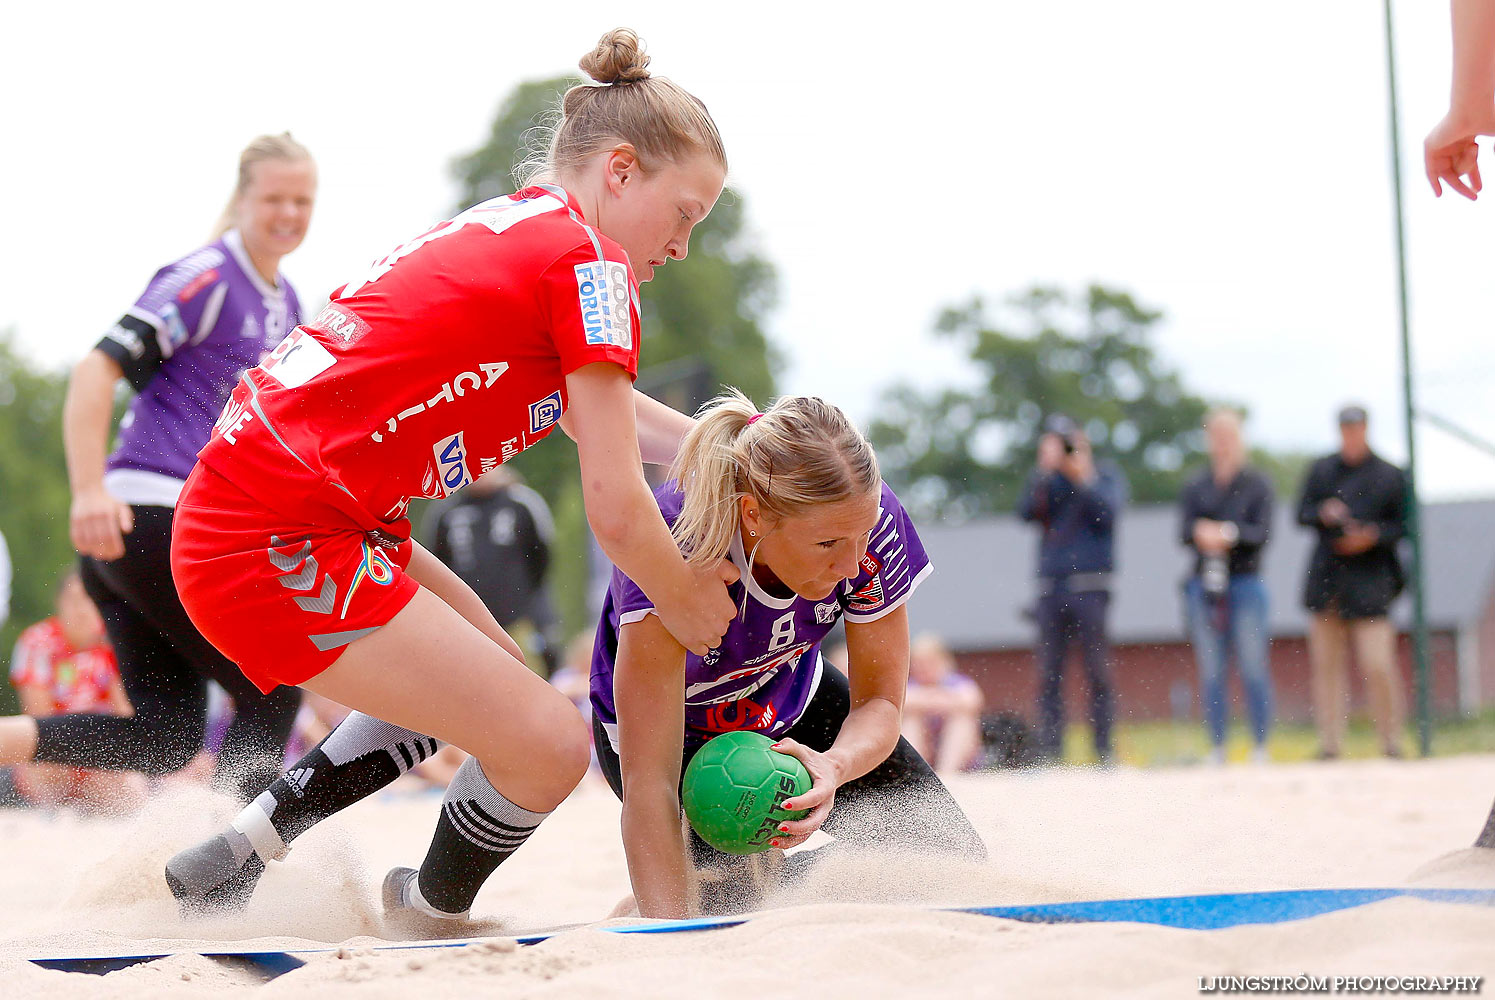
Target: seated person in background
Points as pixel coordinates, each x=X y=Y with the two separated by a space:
x=942 y=710
x=64 y=664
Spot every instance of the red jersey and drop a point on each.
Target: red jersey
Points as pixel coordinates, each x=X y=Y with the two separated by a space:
x=77 y=680
x=446 y=359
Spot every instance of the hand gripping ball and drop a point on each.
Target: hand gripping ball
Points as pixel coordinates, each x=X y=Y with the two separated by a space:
x=733 y=788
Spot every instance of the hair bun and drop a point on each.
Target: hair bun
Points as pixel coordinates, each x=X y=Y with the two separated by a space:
x=618 y=58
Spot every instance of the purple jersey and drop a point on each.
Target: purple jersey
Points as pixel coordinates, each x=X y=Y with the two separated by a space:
x=768 y=665
x=199 y=324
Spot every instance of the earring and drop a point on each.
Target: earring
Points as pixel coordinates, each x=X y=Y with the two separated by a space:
x=752 y=533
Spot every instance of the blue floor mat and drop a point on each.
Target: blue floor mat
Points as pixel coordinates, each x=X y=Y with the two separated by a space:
x=1205 y=912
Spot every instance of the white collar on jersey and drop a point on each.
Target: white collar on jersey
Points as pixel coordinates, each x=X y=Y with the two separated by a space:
x=235 y=243
x=740 y=560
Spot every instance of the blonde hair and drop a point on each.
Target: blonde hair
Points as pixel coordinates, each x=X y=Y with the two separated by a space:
x=658 y=118
x=262 y=148
x=800 y=453
x=931 y=645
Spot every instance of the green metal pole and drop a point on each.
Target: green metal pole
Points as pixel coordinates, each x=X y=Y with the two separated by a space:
x=1414 y=514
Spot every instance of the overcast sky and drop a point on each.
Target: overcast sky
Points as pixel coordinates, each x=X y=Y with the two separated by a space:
x=1225 y=163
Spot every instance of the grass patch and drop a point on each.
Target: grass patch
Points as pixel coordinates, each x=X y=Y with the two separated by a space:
x=1159 y=744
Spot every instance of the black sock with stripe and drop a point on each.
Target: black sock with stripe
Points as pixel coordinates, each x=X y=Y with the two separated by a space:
x=478 y=828
x=359 y=757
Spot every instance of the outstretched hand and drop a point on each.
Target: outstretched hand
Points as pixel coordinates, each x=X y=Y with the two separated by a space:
x=1451 y=154
x=824 y=778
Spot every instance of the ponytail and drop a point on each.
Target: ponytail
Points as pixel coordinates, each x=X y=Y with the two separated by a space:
x=800 y=453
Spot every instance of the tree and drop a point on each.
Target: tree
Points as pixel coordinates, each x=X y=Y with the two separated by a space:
x=702 y=322
x=963 y=450
x=33 y=481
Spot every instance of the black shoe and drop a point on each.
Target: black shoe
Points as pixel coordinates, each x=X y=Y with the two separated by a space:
x=213 y=878
x=408 y=914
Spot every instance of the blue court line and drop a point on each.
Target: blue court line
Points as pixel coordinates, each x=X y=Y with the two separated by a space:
x=1221 y=910
x=1199 y=912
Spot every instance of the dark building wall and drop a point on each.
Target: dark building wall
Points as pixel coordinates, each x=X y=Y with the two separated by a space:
x=1160 y=680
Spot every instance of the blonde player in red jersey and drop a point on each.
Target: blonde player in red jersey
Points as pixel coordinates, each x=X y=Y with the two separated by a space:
x=292 y=549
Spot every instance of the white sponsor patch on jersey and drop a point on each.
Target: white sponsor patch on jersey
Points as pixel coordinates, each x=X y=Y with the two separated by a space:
x=297 y=360
x=544 y=412
x=451 y=463
x=602 y=291
x=340 y=322
x=826 y=613
x=173 y=332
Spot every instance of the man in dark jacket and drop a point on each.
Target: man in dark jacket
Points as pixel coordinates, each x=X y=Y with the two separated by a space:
x=1357 y=502
x=1225 y=517
x=1075 y=502
x=496 y=537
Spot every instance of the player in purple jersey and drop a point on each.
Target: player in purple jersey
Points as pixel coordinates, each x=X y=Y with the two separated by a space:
x=182 y=346
x=793 y=497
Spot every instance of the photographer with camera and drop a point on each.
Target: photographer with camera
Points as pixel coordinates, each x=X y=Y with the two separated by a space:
x=1356 y=501
x=1226 y=516
x=1075 y=501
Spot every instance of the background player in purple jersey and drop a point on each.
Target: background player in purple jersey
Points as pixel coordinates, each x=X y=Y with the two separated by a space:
x=182 y=346
x=793 y=497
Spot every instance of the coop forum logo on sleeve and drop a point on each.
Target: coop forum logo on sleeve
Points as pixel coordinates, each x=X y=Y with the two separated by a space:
x=602 y=292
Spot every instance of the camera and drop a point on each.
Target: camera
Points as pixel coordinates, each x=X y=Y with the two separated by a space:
x=1065 y=429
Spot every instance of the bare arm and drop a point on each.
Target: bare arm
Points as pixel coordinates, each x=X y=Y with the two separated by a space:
x=431 y=573
x=624 y=517
x=97 y=520
x=960 y=738
x=878 y=652
x=35 y=701
x=1473 y=90
x=1450 y=154
x=649 y=687
x=660 y=429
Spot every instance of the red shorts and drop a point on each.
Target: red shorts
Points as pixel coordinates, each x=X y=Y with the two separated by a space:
x=282 y=598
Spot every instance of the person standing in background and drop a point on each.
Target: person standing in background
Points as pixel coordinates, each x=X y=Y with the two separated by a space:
x=1357 y=503
x=496 y=536
x=1075 y=502
x=181 y=346
x=1226 y=518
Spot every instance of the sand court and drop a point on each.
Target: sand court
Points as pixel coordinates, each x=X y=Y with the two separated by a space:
x=856 y=927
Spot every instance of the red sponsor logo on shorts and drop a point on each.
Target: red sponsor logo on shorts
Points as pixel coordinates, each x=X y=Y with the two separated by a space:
x=197 y=284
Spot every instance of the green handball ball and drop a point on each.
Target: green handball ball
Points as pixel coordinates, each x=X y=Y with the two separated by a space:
x=733 y=788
